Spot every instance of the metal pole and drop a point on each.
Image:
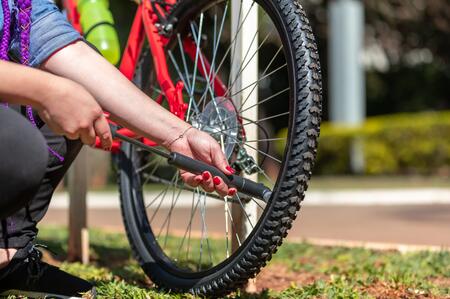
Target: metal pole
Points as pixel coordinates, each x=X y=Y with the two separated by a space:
x=346 y=71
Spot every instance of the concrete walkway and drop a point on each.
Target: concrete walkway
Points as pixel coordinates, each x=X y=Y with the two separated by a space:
x=416 y=217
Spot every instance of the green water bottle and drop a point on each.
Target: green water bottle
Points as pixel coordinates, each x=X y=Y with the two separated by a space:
x=97 y=24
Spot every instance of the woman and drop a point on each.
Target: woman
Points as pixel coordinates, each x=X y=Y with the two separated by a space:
x=68 y=95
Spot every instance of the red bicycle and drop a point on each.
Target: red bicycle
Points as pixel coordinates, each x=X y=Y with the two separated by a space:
x=183 y=55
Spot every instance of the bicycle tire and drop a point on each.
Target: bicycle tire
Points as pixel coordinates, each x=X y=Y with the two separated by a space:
x=281 y=211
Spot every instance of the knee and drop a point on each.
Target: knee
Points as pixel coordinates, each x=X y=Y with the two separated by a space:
x=35 y=164
x=24 y=157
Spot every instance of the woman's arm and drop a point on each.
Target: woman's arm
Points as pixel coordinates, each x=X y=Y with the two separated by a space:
x=25 y=86
x=132 y=108
x=64 y=105
x=116 y=94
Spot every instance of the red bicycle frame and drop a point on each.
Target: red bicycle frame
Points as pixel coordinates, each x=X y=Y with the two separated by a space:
x=145 y=24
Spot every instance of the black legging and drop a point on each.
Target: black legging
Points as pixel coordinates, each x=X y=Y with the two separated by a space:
x=23 y=161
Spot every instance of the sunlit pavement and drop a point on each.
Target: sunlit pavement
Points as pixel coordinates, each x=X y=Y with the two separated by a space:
x=419 y=217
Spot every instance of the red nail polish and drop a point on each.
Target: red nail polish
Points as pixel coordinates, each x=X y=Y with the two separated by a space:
x=205 y=175
x=231 y=192
x=198 y=180
x=230 y=169
x=216 y=180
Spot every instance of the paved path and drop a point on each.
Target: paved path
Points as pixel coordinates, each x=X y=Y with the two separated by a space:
x=419 y=196
x=425 y=222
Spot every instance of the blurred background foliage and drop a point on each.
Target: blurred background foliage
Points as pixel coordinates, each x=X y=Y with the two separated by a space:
x=407 y=53
x=406 y=144
x=407 y=62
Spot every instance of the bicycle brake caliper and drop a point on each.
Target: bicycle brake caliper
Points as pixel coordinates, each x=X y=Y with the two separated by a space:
x=245 y=162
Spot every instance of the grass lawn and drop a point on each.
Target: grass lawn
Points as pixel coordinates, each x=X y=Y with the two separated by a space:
x=296 y=271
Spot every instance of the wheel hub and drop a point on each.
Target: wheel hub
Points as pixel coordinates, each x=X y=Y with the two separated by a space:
x=219 y=119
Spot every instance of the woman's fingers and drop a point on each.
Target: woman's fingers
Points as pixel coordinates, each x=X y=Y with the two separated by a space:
x=103 y=131
x=220 y=161
x=192 y=179
x=87 y=136
x=207 y=183
x=232 y=191
x=220 y=186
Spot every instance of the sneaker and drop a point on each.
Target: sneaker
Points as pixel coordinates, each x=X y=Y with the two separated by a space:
x=28 y=276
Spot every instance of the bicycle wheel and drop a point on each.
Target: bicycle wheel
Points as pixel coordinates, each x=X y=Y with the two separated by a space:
x=187 y=240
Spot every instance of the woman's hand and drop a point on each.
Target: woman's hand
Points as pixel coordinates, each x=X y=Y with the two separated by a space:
x=68 y=109
x=200 y=146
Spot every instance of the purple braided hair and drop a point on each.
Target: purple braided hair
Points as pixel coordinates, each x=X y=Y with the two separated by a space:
x=4 y=45
x=24 y=23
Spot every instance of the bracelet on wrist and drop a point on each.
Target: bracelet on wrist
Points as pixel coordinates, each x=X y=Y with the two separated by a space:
x=181 y=136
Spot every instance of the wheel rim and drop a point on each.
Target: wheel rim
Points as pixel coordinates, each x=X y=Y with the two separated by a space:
x=163 y=206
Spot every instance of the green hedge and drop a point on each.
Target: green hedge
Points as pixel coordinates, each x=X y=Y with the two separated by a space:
x=410 y=143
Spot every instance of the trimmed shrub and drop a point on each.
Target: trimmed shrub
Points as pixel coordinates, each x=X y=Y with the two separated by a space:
x=410 y=143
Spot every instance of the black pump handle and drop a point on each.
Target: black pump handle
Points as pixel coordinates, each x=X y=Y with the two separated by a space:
x=243 y=185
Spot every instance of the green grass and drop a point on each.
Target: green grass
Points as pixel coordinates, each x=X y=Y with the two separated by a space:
x=335 y=272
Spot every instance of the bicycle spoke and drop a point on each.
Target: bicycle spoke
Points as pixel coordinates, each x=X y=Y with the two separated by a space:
x=259 y=103
x=243 y=209
x=152 y=172
x=216 y=47
x=226 y=226
x=269 y=139
x=153 y=201
x=177 y=68
x=233 y=41
x=263 y=153
x=251 y=122
x=191 y=98
x=237 y=142
x=243 y=67
x=265 y=100
x=267 y=118
x=208 y=85
x=204 y=233
x=169 y=218
x=183 y=57
x=234 y=226
x=140 y=169
x=257 y=203
x=259 y=80
x=263 y=74
x=162 y=199
x=235 y=44
x=197 y=52
x=188 y=228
